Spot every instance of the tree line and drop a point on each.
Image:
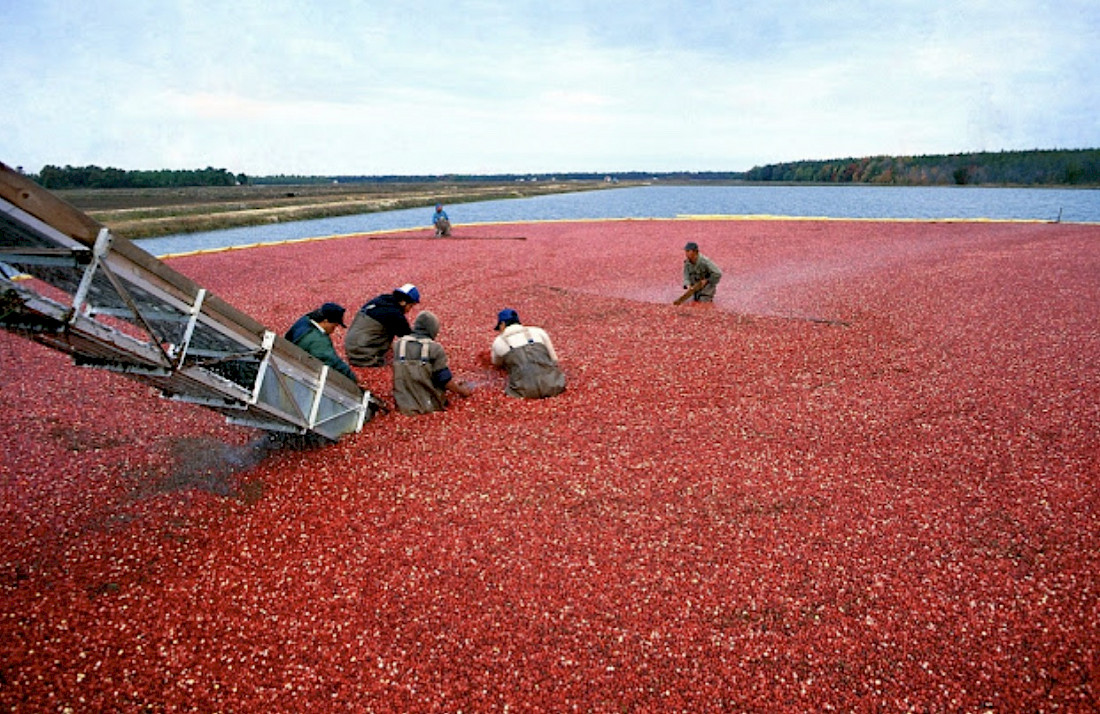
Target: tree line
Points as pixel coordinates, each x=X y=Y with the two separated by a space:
x=1058 y=167
x=1055 y=167
x=56 y=177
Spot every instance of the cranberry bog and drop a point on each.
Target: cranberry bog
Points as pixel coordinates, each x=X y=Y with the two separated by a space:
x=866 y=479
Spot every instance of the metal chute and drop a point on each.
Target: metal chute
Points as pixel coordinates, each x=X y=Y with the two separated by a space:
x=111 y=305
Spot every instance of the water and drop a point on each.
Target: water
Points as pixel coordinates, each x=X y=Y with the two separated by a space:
x=956 y=202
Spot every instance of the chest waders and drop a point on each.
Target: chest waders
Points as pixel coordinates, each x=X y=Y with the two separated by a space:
x=532 y=374
x=413 y=390
x=366 y=341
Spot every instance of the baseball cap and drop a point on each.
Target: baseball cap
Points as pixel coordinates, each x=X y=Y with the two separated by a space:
x=333 y=313
x=410 y=290
x=506 y=315
x=692 y=245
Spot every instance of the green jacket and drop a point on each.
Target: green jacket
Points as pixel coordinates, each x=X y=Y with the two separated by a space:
x=317 y=342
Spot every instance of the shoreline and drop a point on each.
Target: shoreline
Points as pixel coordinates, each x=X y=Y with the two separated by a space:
x=747 y=218
x=153 y=213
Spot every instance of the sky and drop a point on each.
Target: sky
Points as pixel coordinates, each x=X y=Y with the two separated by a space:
x=411 y=87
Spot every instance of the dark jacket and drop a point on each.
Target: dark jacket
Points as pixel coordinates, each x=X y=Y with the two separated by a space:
x=373 y=329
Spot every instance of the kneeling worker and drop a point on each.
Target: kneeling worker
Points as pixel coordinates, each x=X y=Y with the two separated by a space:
x=528 y=355
x=312 y=332
x=421 y=377
x=377 y=323
x=441 y=222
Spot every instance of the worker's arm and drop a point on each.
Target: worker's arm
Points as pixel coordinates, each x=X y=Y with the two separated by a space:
x=443 y=379
x=714 y=273
x=459 y=388
x=498 y=350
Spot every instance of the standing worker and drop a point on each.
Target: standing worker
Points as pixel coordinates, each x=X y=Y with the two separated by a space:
x=700 y=274
x=421 y=377
x=376 y=325
x=441 y=222
x=528 y=356
x=313 y=333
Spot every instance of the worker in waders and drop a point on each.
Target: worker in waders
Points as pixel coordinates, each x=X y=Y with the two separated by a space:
x=528 y=356
x=700 y=271
x=441 y=222
x=421 y=378
x=377 y=323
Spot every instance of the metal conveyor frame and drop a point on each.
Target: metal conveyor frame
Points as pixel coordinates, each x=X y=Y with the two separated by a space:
x=111 y=305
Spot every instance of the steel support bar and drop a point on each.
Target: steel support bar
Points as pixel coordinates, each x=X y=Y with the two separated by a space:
x=196 y=310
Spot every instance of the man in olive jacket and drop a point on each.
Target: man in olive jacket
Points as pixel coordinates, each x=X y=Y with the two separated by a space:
x=312 y=332
x=699 y=268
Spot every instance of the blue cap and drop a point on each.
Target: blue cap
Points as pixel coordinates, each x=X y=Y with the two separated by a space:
x=691 y=245
x=507 y=316
x=410 y=291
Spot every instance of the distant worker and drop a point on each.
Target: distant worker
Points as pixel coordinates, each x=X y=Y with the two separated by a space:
x=313 y=333
x=700 y=274
x=377 y=323
x=441 y=222
x=421 y=377
x=528 y=356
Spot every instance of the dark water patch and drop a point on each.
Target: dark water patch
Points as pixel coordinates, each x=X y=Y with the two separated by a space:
x=220 y=469
x=210 y=466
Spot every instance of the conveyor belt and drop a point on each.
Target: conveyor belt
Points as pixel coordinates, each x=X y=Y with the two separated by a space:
x=111 y=305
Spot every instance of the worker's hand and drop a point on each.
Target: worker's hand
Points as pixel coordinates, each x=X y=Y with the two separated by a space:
x=460 y=388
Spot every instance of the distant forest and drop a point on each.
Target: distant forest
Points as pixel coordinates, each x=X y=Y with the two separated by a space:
x=1078 y=167
x=1057 y=167
x=54 y=177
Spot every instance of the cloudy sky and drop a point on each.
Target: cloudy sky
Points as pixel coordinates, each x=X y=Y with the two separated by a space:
x=510 y=86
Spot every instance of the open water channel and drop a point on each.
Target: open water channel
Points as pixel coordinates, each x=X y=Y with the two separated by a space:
x=870 y=202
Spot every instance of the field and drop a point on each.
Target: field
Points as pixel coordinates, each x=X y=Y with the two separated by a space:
x=868 y=479
x=145 y=213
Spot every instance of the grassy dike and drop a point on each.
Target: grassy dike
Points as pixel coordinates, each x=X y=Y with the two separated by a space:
x=148 y=213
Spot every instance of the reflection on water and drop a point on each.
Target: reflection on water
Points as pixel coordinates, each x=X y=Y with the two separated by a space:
x=959 y=202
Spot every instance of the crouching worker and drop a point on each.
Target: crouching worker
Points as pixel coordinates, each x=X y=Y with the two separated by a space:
x=421 y=377
x=377 y=323
x=529 y=358
x=441 y=222
x=313 y=333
